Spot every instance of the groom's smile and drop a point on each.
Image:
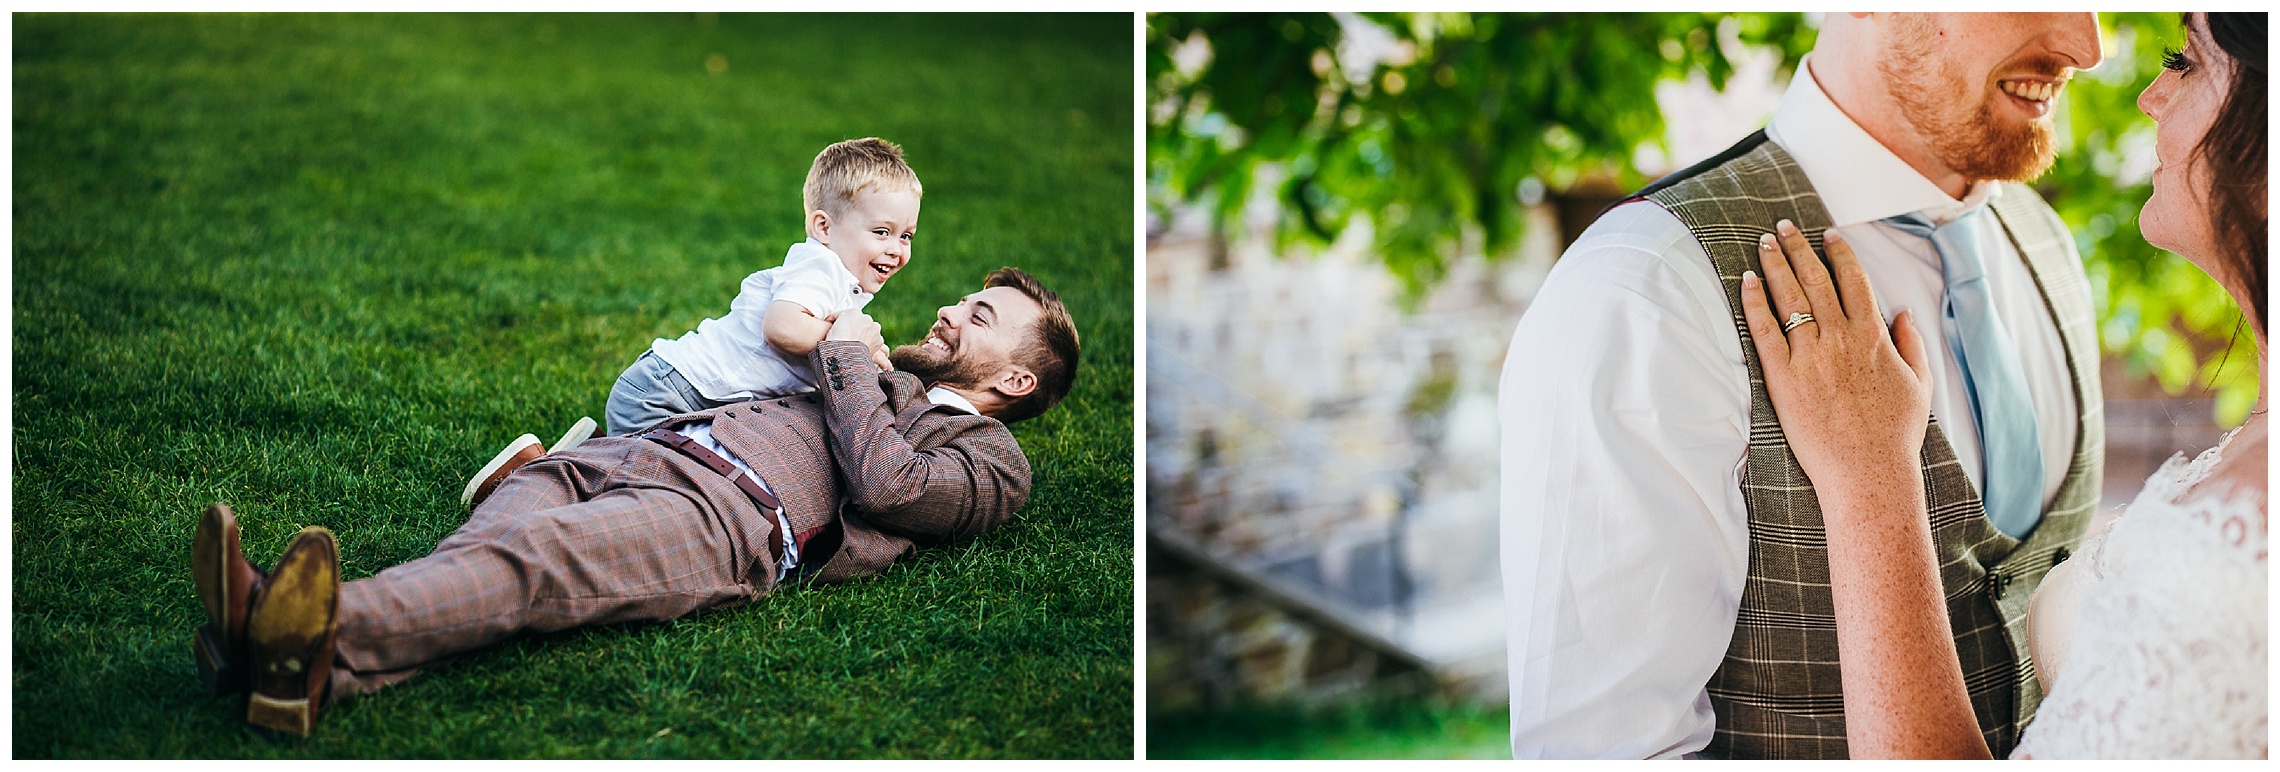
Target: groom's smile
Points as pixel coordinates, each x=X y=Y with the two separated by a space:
x=1978 y=88
x=2032 y=82
x=2033 y=95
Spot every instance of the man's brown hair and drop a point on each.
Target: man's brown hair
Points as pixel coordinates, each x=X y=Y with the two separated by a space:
x=1050 y=353
x=846 y=168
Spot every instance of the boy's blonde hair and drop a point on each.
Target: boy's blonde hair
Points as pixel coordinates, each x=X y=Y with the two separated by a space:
x=847 y=168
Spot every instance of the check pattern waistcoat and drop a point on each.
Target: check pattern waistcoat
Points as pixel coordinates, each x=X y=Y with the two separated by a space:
x=1778 y=694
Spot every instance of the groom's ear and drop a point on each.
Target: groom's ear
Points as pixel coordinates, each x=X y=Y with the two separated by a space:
x=1014 y=382
x=819 y=227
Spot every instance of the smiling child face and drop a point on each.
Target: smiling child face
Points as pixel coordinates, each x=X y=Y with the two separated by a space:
x=872 y=234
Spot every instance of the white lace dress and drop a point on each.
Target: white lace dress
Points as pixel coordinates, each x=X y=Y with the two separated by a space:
x=2153 y=635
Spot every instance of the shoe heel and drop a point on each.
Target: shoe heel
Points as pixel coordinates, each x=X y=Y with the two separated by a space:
x=291 y=632
x=217 y=673
x=282 y=715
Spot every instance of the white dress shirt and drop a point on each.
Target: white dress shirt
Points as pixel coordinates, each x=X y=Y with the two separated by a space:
x=1624 y=405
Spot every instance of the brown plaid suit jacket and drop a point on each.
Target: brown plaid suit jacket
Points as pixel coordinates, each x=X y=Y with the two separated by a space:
x=910 y=473
x=622 y=529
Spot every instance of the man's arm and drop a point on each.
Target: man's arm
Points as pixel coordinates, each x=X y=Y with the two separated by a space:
x=1624 y=407
x=950 y=478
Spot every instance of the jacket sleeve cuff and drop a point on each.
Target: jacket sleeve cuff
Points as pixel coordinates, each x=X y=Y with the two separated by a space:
x=842 y=363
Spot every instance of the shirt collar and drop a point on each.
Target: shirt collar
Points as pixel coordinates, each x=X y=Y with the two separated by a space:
x=812 y=250
x=942 y=396
x=1858 y=179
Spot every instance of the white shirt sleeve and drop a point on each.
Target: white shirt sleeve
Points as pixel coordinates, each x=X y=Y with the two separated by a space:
x=1624 y=405
x=813 y=277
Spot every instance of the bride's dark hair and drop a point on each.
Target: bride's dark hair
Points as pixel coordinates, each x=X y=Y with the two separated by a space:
x=2234 y=153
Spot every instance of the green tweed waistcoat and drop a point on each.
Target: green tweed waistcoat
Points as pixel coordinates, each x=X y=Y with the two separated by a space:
x=1778 y=694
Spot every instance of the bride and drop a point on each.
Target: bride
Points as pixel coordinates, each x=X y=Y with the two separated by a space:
x=2151 y=640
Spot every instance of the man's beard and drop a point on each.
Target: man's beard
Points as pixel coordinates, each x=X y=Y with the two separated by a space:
x=938 y=369
x=1972 y=140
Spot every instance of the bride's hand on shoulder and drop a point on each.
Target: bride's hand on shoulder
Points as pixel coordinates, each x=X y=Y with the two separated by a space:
x=1852 y=395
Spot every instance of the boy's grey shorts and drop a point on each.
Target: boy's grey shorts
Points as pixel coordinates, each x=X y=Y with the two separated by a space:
x=649 y=392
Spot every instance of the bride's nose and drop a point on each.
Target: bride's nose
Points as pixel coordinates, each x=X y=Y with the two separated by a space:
x=2155 y=97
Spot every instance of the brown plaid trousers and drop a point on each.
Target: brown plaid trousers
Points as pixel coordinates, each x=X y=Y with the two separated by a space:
x=622 y=529
x=1778 y=693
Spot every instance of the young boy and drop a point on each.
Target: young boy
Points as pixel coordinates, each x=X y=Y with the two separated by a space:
x=862 y=206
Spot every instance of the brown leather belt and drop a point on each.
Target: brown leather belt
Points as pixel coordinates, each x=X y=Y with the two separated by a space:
x=769 y=506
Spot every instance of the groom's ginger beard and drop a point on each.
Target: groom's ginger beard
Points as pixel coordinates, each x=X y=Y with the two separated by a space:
x=948 y=369
x=1976 y=139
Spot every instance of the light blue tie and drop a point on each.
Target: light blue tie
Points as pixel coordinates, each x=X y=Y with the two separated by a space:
x=2011 y=463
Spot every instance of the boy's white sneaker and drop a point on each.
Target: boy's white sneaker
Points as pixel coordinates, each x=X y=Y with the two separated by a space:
x=579 y=432
x=523 y=450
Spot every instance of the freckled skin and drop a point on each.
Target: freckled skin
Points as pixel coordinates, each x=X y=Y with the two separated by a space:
x=1854 y=398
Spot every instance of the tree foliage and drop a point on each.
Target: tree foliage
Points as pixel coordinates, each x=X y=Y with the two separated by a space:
x=1433 y=140
x=1438 y=134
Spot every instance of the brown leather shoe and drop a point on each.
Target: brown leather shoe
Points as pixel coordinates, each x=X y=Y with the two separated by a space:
x=226 y=584
x=523 y=450
x=515 y=455
x=290 y=631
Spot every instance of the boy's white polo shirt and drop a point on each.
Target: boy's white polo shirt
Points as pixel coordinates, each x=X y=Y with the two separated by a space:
x=729 y=358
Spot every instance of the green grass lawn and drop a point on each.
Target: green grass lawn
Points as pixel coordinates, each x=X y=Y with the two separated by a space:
x=321 y=268
x=1384 y=729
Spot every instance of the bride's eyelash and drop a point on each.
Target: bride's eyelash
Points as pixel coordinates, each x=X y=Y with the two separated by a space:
x=2175 y=61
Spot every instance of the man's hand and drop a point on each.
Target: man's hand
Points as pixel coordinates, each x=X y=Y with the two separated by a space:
x=861 y=328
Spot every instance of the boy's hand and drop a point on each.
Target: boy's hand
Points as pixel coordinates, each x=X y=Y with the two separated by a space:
x=876 y=343
x=860 y=329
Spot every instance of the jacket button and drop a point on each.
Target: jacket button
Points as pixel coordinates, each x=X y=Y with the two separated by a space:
x=2059 y=556
x=1996 y=583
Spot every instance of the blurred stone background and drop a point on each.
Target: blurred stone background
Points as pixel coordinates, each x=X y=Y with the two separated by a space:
x=1304 y=426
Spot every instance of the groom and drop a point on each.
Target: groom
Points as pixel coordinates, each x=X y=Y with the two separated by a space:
x=707 y=508
x=1666 y=576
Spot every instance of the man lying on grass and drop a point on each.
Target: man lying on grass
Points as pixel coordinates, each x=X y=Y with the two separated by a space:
x=656 y=526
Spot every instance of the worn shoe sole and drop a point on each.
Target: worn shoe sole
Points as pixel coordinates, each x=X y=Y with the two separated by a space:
x=225 y=585
x=291 y=634
x=523 y=450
